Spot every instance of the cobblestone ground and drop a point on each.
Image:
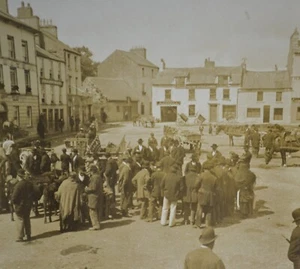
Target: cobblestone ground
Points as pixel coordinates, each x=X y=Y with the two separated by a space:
x=131 y=243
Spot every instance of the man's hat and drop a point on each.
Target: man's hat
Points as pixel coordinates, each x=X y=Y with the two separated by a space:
x=208 y=236
x=21 y=172
x=140 y=140
x=296 y=214
x=214 y=146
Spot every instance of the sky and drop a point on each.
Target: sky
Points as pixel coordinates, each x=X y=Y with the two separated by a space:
x=182 y=32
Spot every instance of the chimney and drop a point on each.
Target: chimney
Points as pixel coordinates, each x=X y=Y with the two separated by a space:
x=208 y=63
x=163 y=66
x=140 y=51
x=48 y=27
x=25 y=14
x=4 y=6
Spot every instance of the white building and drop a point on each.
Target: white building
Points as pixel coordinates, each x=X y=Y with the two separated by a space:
x=210 y=91
x=265 y=97
x=18 y=71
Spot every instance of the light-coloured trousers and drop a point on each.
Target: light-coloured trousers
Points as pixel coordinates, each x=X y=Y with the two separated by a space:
x=165 y=210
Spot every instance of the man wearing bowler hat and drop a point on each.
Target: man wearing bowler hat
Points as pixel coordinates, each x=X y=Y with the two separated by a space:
x=214 y=154
x=204 y=256
x=294 y=249
x=140 y=148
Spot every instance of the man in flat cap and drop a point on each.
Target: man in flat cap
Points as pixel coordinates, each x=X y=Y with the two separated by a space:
x=294 y=249
x=204 y=256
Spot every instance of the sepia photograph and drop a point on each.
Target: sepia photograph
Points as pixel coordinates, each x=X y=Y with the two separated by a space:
x=160 y=134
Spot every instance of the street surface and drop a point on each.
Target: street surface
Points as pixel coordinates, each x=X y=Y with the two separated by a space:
x=124 y=243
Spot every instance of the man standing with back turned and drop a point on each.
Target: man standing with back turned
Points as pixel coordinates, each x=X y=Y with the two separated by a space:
x=204 y=256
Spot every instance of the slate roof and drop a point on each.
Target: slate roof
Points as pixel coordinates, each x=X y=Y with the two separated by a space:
x=113 y=89
x=137 y=58
x=199 y=75
x=47 y=54
x=5 y=16
x=266 y=80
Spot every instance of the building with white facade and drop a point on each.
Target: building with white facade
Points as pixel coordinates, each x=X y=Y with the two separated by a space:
x=209 y=91
x=18 y=71
x=265 y=97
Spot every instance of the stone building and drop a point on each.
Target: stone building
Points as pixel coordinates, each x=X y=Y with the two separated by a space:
x=47 y=39
x=133 y=67
x=18 y=71
x=265 y=97
x=209 y=91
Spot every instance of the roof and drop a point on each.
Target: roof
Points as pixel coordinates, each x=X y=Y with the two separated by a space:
x=5 y=16
x=199 y=75
x=113 y=89
x=46 y=54
x=266 y=80
x=65 y=46
x=137 y=58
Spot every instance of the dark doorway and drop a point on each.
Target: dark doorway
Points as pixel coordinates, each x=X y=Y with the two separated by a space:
x=266 y=117
x=213 y=113
x=168 y=113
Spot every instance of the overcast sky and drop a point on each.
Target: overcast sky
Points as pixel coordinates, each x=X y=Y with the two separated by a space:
x=182 y=32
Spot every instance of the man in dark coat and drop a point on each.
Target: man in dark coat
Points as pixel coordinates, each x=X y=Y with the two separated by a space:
x=77 y=161
x=41 y=129
x=206 y=187
x=214 y=154
x=166 y=163
x=33 y=162
x=190 y=198
x=65 y=161
x=172 y=186
x=204 y=257
x=110 y=173
x=255 y=142
x=22 y=198
x=95 y=193
x=45 y=162
x=193 y=164
x=246 y=156
x=294 y=249
x=152 y=140
x=156 y=194
x=71 y=122
x=140 y=148
x=152 y=153
x=125 y=185
x=269 y=140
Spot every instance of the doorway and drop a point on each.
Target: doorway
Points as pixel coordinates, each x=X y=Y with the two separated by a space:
x=266 y=116
x=168 y=113
x=213 y=113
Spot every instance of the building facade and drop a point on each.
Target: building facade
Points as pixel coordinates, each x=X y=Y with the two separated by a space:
x=208 y=91
x=18 y=72
x=265 y=97
x=133 y=67
x=52 y=88
x=114 y=96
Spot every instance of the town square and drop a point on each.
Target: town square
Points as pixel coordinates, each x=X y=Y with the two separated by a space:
x=178 y=153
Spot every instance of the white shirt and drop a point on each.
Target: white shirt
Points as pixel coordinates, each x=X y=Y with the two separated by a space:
x=7 y=146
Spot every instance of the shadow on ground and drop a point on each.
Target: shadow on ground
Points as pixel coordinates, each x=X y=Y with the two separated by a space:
x=114 y=224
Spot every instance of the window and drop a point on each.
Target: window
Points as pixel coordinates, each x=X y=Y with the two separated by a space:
x=75 y=62
x=152 y=71
x=76 y=83
x=42 y=72
x=52 y=94
x=51 y=70
x=253 y=112
x=118 y=108
x=260 y=96
x=17 y=115
x=25 y=51
x=70 y=87
x=142 y=108
x=60 y=95
x=27 y=81
x=143 y=89
x=278 y=113
x=168 y=95
x=226 y=94
x=143 y=71
x=278 y=96
x=43 y=94
x=50 y=118
x=298 y=113
x=1 y=74
x=29 y=116
x=59 y=72
x=229 y=112
x=223 y=80
x=11 y=47
x=69 y=61
x=213 y=94
x=13 y=77
x=180 y=82
x=191 y=110
x=191 y=94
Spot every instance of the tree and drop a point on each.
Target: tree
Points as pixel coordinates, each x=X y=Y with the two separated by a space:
x=88 y=65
